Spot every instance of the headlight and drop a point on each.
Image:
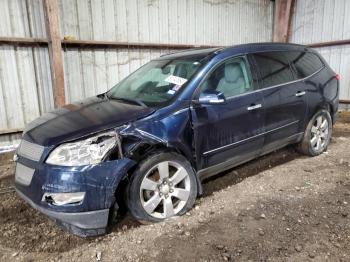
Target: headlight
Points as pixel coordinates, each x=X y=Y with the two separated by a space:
x=85 y=152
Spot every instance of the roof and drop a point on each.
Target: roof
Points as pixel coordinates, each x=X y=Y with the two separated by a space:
x=195 y=53
x=268 y=46
x=200 y=53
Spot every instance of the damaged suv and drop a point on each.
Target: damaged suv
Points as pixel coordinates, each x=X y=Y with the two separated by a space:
x=147 y=143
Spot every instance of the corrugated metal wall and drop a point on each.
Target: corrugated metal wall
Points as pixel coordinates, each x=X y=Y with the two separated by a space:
x=325 y=20
x=25 y=79
x=213 y=22
x=209 y=22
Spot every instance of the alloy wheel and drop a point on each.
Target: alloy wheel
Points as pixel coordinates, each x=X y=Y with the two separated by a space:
x=319 y=133
x=165 y=189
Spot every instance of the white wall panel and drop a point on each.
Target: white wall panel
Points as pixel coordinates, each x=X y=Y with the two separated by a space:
x=198 y=22
x=25 y=84
x=25 y=78
x=22 y=18
x=210 y=22
x=93 y=72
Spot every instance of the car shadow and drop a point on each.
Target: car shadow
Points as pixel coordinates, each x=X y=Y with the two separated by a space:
x=227 y=178
x=236 y=175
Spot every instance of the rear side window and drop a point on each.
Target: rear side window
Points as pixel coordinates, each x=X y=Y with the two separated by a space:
x=305 y=63
x=274 y=68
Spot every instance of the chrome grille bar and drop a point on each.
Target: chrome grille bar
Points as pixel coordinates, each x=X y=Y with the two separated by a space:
x=24 y=174
x=30 y=150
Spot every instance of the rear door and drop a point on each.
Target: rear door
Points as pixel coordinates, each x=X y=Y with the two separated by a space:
x=284 y=98
x=226 y=134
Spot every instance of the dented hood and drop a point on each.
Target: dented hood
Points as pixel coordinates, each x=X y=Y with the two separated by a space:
x=82 y=118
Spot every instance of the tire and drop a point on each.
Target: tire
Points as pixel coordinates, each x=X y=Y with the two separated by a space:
x=317 y=134
x=153 y=196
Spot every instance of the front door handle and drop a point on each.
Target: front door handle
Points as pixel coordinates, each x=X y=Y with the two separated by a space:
x=300 y=93
x=253 y=107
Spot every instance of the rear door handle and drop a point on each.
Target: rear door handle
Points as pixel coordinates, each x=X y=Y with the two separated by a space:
x=300 y=93
x=253 y=107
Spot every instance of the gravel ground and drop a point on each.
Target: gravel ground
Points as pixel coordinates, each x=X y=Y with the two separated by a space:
x=280 y=207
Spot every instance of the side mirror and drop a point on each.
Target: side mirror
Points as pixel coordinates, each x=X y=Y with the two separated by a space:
x=211 y=97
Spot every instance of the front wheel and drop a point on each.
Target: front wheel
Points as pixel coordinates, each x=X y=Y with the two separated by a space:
x=162 y=186
x=317 y=134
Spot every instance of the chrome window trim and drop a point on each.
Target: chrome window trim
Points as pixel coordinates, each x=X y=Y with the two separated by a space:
x=294 y=81
x=215 y=66
x=269 y=87
x=249 y=138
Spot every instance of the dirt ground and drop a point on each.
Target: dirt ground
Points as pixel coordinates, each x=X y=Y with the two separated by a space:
x=280 y=207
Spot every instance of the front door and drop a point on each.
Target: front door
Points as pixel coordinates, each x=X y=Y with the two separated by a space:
x=230 y=133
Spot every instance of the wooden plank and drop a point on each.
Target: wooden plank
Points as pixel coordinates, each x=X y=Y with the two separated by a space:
x=11 y=131
x=23 y=41
x=343 y=101
x=331 y=43
x=282 y=20
x=111 y=44
x=55 y=49
x=97 y=44
x=19 y=41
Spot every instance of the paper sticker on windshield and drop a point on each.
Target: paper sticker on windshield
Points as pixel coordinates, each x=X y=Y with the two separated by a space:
x=176 y=80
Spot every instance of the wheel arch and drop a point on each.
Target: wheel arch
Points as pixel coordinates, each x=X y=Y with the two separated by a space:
x=140 y=151
x=143 y=150
x=323 y=106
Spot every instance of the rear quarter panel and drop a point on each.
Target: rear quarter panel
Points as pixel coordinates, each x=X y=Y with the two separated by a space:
x=323 y=92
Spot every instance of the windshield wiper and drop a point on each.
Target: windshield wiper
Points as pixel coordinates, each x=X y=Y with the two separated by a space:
x=129 y=100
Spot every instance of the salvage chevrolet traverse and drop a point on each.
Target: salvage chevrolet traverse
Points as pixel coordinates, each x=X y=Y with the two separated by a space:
x=147 y=143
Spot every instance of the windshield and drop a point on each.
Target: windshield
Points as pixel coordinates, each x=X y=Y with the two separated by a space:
x=155 y=83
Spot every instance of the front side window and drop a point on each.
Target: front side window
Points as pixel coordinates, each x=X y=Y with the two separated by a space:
x=274 y=68
x=156 y=82
x=305 y=63
x=230 y=78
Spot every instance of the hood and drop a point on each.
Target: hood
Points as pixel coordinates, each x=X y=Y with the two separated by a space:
x=79 y=119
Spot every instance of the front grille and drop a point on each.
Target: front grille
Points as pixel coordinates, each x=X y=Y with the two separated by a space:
x=24 y=174
x=30 y=150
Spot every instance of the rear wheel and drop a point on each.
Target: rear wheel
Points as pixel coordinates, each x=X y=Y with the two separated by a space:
x=163 y=185
x=317 y=134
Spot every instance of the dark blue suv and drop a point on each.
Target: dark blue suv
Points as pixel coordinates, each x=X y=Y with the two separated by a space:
x=149 y=142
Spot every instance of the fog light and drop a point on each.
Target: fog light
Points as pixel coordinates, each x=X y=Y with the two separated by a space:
x=60 y=199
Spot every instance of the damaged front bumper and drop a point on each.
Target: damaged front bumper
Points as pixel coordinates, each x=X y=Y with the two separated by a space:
x=88 y=223
x=87 y=217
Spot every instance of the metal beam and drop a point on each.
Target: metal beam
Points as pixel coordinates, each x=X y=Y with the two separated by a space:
x=55 y=50
x=282 y=20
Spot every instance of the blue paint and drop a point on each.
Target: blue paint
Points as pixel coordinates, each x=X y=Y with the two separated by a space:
x=207 y=135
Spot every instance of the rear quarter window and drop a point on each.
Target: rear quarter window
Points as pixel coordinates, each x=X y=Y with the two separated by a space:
x=305 y=63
